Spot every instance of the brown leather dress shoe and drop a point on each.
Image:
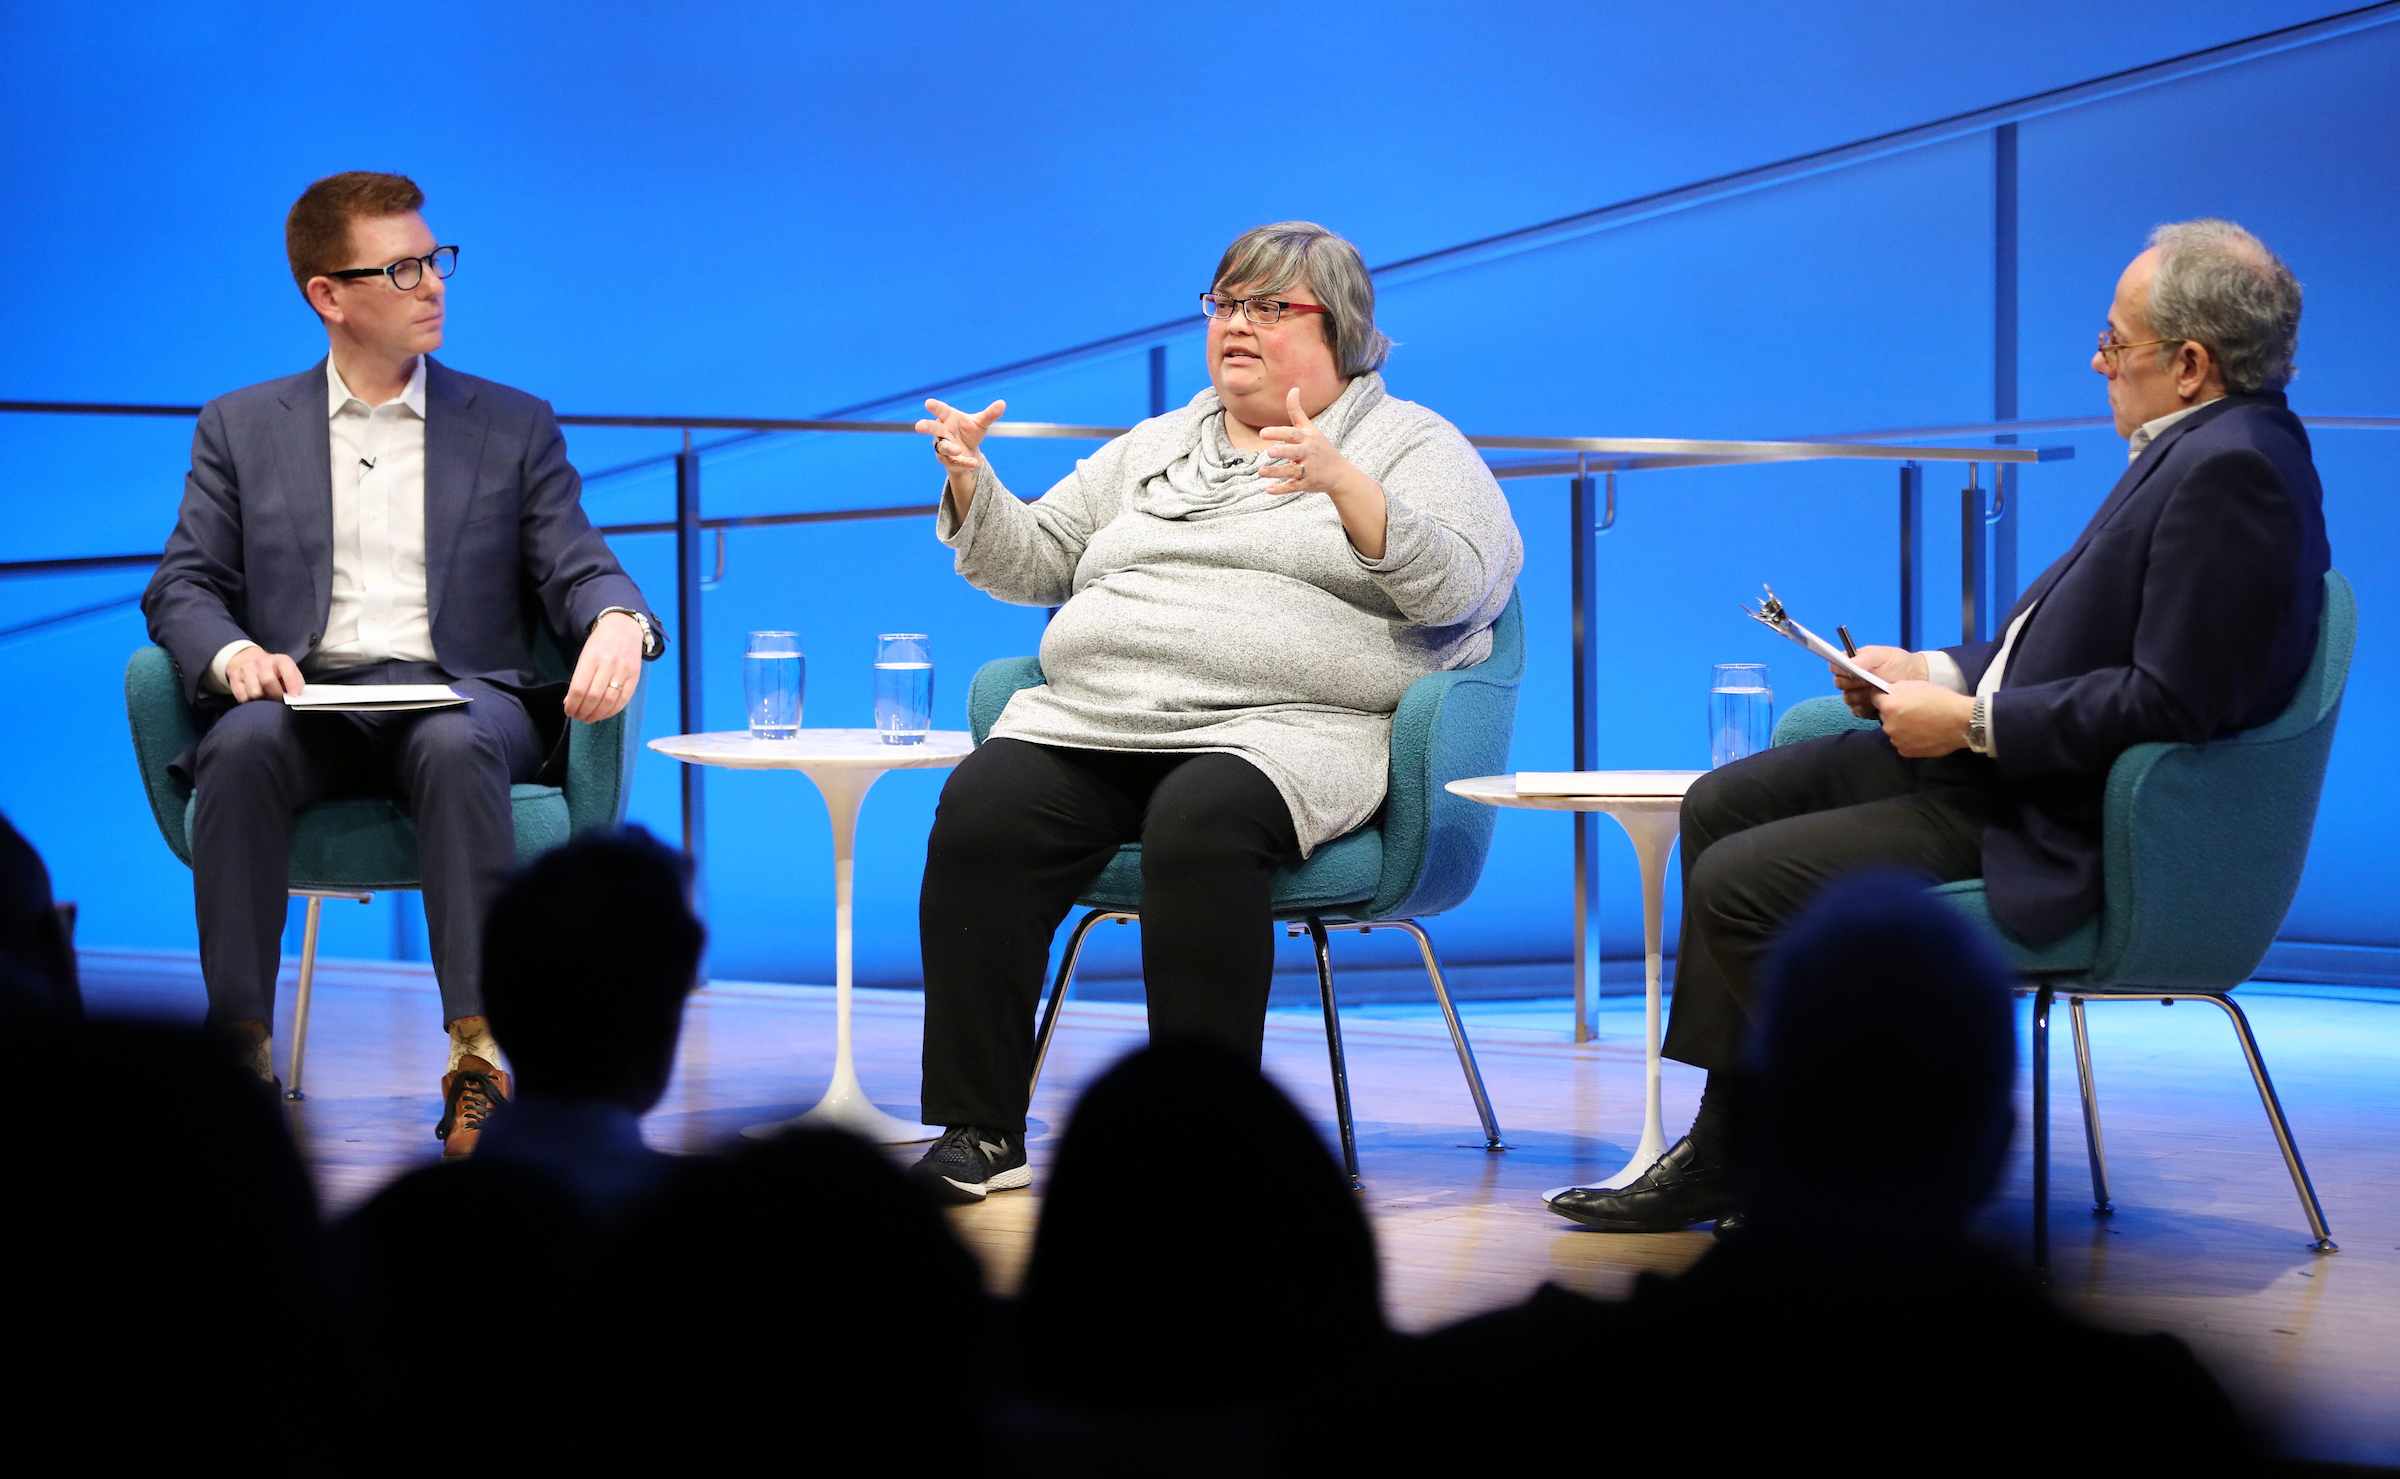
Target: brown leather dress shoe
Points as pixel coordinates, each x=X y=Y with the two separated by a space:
x=470 y=1092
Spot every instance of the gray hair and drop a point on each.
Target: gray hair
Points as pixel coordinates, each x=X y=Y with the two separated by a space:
x=1269 y=259
x=2218 y=285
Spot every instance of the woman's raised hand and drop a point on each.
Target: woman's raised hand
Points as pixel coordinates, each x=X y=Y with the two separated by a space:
x=1300 y=458
x=956 y=435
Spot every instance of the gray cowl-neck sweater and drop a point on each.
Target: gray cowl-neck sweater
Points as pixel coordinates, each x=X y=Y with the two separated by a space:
x=1199 y=610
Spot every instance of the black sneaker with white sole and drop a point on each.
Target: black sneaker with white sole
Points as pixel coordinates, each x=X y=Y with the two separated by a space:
x=967 y=1162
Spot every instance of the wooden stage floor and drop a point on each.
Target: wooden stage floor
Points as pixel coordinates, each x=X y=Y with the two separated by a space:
x=2208 y=1241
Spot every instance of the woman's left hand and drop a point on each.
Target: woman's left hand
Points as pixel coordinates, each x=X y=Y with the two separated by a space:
x=1301 y=458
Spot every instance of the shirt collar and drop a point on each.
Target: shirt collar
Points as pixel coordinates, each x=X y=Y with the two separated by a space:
x=2137 y=444
x=337 y=394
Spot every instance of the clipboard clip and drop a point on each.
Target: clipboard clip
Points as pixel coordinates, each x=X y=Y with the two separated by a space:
x=1770 y=612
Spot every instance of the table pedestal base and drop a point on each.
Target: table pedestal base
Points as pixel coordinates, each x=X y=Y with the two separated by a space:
x=844 y=1107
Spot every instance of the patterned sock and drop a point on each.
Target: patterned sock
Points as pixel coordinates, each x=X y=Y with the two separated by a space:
x=475 y=1039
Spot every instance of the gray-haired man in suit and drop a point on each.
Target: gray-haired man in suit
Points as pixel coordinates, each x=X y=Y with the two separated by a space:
x=379 y=518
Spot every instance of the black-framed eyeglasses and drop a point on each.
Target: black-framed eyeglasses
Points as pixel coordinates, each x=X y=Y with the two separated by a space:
x=408 y=271
x=1260 y=310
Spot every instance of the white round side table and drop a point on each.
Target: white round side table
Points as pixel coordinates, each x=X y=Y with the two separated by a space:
x=844 y=763
x=1648 y=804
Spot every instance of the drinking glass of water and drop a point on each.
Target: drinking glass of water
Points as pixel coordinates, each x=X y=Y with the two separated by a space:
x=903 y=687
x=774 y=675
x=1741 y=712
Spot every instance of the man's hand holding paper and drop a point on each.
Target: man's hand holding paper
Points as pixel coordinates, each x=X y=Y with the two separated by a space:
x=1891 y=664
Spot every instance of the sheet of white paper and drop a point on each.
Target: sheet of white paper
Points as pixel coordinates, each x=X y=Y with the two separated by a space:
x=1603 y=782
x=337 y=698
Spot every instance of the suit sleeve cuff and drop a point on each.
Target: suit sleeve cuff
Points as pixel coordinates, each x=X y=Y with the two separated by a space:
x=1943 y=669
x=216 y=682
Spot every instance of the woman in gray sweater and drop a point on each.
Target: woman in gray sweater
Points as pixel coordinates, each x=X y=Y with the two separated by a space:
x=1245 y=588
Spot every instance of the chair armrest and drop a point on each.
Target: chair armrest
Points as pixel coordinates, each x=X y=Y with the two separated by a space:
x=996 y=682
x=1815 y=718
x=600 y=761
x=162 y=730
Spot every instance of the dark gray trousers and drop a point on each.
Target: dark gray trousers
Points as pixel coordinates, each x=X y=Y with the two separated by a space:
x=261 y=763
x=1762 y=835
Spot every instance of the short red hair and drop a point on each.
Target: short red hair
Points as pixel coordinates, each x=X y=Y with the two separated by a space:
x=316 y=235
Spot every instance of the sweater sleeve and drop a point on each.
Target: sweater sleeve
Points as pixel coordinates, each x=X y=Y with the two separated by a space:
x=1451 y=550
x=1026 y=553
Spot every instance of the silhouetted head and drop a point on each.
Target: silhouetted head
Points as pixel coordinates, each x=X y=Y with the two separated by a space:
x=587 y=957
x=1880 y=1066
x=37 y=960
x=1198 y=1246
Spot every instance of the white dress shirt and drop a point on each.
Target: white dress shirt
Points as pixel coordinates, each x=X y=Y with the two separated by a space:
x=378 y=611
x=1942 y=668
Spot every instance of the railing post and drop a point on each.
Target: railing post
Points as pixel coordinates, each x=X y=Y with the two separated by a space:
x=1587 y=884
x=2003 y=588
x=1974 y=563
x=691 y=713
x=1912 y=553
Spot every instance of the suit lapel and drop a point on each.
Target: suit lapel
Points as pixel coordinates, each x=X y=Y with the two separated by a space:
x=2135 y=475
x=302 y=477
x=455 y=427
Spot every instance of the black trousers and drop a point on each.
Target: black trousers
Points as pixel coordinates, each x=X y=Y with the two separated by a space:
x=261 y=762
x=1022 y=829
x=1762 y=835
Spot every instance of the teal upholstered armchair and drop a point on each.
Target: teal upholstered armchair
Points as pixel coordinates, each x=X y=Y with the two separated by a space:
x=1420 y=855
x=356 y=847
x=2202 y=847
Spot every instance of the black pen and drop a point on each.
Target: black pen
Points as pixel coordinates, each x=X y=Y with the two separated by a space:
x=1848 y=647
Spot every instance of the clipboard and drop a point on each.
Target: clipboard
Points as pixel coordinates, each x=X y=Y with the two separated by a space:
x=1771 y=615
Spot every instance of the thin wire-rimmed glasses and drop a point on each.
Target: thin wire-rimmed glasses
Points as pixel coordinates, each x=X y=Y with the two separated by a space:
x=1260 y=310
x=408 y=271
x=2110 y=349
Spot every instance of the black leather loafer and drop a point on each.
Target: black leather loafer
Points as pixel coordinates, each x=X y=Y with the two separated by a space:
x=1673 y=1194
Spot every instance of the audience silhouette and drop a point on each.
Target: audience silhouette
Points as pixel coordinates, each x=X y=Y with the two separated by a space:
x=1151 y=1339
x=163 y=1256
x=781 y=1303
x=37 y=949
x=567 y=1300
x=1853 y=1314
x=465 y=1282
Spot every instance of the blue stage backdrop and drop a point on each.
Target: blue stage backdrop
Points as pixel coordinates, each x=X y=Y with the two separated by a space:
x=781 y=213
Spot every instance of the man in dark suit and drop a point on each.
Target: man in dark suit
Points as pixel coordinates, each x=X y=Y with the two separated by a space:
x=2186 y=610
x=379 y=518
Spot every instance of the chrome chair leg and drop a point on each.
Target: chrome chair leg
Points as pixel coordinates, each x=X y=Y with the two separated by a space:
x=308 y=982
x=308 y=974
x=2283 y=1131
x=1458 y=1035
x=2041 y=1129
x=2093 y=1150
x=1333 y=1050
x=1058 y=989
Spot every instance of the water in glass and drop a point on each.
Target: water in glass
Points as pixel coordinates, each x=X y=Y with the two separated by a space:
x=774 y=676
x=903 y=687
x=1741 y=712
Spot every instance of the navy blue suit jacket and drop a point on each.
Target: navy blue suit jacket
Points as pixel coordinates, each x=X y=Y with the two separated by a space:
x=506 y=540
x=2186 y=610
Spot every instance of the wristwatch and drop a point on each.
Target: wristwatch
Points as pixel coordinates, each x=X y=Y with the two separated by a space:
x=651 y=645
x=1979 y=727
